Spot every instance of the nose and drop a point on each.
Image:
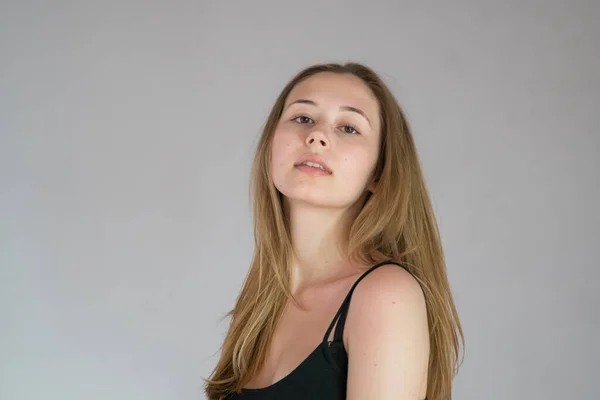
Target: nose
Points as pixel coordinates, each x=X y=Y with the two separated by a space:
x=316 y=136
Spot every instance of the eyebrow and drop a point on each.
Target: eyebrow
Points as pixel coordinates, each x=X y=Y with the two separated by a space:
x=343 y=108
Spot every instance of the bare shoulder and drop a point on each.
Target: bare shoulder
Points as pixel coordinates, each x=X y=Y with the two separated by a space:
x=387 y=336
x=391 y=293
x=389 y=285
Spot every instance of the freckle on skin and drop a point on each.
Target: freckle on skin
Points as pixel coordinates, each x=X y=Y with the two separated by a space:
x=393 y=302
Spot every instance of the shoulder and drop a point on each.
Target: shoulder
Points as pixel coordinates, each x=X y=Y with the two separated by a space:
x=390 y=298
x=387 y=334
x=389 y=288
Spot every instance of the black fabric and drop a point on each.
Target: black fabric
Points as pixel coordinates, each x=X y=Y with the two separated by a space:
x=323 y=374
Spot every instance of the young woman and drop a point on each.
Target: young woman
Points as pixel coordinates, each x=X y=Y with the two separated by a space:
x=340 y=199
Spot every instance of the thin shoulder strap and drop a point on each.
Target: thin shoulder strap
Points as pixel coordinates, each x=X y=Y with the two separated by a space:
x=340 y=316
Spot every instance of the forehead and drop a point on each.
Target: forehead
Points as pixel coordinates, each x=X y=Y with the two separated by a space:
x=334 y=89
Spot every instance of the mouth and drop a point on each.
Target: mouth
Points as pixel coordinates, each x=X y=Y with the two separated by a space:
x=313 y=162
x=312 y=169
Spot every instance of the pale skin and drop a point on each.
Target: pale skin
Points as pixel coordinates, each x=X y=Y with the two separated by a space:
x=386 y=332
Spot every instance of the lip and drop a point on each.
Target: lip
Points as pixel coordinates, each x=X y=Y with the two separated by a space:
x=312 y=157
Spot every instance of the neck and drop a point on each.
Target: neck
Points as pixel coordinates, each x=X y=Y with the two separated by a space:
x=319 y=239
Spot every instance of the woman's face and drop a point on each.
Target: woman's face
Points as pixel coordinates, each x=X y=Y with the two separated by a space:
x=335 y=118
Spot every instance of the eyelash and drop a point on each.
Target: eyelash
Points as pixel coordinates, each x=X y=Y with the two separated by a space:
x=356 y=131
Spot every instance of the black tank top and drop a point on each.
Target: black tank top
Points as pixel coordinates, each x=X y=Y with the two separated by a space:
x=323 y=374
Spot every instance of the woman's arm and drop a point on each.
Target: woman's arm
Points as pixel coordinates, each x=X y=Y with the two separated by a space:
x=387 y=337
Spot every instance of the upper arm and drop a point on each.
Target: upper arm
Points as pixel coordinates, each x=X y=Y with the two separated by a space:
x=387 y=336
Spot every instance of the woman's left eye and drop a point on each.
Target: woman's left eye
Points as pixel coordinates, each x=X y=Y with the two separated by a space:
x=352 y=131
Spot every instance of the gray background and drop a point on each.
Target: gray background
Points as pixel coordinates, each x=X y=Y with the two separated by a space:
x=127 y=132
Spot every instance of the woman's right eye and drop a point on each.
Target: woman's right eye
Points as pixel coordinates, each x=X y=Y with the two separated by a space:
x=301 y=118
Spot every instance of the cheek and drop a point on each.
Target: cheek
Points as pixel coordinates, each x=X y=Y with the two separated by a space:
x=357 y=170
x=358 y=164
x=280 y=151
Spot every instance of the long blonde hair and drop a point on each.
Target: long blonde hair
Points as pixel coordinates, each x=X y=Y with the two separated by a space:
x=396 y=223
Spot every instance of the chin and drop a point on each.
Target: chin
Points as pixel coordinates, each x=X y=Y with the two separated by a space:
x=316 y=199
x=316 y=192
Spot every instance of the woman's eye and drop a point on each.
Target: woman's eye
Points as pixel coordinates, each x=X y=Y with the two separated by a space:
x=347 y=128
x=351 y=131
x=301 y=118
